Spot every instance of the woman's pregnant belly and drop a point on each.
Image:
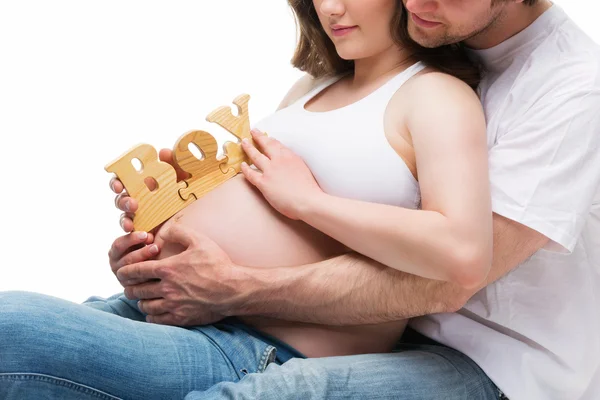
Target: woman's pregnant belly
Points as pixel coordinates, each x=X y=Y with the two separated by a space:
x=237 y=217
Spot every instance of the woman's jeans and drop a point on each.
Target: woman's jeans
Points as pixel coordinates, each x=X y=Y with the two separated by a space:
x=55 y=349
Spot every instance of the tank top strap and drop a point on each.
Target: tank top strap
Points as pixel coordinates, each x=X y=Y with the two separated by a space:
x=317 y=89
x=380 y=95
x=384 y=94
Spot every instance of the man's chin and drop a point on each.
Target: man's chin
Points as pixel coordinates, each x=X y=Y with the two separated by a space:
x=421 y=37
x=423 y=42
x=427 y=39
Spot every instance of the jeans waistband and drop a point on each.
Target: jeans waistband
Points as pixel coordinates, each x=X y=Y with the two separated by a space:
x=284 y=351
x=247 y=354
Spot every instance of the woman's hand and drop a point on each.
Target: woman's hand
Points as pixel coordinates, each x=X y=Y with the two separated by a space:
x=135 y=247
x=129 y=205
x=132 y=248
x=283 y=177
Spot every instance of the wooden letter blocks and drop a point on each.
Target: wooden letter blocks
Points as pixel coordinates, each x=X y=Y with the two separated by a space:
x=155 y=185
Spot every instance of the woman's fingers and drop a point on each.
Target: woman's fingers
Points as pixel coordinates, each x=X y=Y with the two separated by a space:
x=259 y=159
x=116 y=185
x=126 y=222
x=124 y=244
x=166 y=155
x=126 y=203
x=251 y=175
x=147 y=252
x=269 y=146
x=132 y=248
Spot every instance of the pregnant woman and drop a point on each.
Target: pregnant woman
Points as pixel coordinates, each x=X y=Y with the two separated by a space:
x=372 y=109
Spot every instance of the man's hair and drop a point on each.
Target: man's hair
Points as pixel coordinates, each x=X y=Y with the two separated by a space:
x=316 y=53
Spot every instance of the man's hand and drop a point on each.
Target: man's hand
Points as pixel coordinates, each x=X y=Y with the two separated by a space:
x=194 y=287
x=129 y=205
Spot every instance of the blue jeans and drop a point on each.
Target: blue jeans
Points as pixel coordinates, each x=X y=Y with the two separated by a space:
x=55 y=349
x=424 y=370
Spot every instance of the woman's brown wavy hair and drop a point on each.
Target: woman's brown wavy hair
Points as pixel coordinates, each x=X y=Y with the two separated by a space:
x=316 y=53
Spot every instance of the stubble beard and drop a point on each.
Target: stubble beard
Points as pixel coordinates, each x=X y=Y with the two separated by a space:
x=420 y=36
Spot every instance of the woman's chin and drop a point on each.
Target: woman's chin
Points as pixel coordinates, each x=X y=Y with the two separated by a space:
x=347 y=55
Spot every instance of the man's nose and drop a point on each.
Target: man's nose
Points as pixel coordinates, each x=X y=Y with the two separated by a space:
x=332 y=7
x=421 y=6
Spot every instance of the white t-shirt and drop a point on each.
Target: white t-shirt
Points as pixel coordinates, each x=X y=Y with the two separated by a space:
x=536 y=331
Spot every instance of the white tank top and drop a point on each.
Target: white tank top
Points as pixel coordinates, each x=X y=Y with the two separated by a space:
x=346 y=149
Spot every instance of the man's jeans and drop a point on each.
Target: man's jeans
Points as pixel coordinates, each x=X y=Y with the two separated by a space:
x=55 y=349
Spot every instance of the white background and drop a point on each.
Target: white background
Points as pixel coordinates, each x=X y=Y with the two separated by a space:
x=81 y=82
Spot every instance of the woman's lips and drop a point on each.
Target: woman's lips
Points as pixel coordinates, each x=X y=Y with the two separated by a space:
x=342 y=31
x=424 y=23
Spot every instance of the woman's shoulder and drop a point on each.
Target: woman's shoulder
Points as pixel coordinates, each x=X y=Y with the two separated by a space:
x=431 y=80
x=305 y=84
x=431 y=88
x=431 y=102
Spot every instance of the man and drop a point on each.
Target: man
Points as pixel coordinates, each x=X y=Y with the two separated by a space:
x=534 y=330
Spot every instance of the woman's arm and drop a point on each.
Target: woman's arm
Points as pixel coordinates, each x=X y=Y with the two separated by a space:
x=450 y=238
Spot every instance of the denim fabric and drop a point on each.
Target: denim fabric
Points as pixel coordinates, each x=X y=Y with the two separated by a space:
x=418 y=369
x=284 y=350
x=55 y=349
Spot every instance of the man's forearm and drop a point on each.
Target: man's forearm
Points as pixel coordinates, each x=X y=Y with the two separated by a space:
x=346 y=290
x=353 y=290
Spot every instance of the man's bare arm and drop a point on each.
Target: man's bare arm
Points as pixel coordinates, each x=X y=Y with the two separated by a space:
x=352 y=289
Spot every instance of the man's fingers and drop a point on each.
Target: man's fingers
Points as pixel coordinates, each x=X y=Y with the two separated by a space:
x=142 y=291
x=142 y=271
x=180 y=234
x=163 y=319
x=154 y=306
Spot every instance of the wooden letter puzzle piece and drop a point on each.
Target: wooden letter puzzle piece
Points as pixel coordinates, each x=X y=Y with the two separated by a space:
x=206 y=173
x=239 y=126
x=155 y=206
